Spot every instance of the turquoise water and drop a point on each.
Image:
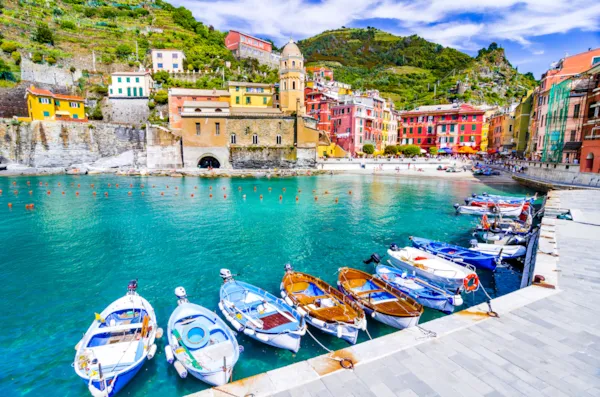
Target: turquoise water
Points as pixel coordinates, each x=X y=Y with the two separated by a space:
x=73 y=255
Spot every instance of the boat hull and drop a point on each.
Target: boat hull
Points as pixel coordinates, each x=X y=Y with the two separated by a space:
x=288 y=341
x=122 y=379
x=393 y=321
x=218 y=378
x=345 y=332
x=450 y=284
x=441 y=304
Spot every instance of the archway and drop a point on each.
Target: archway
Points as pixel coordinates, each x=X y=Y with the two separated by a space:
x=209 y=161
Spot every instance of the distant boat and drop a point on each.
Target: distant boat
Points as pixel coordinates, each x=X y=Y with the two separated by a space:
x=502 y=238
x=200 y=343
x=426 y=294
x=260 y=315
x=117 y=344
x=433 y=269
x=499 y=198
x=379 y=299
x=323 y=306
x=456 y=253
x=511 y=212
x=505 y=225
x=506 y=252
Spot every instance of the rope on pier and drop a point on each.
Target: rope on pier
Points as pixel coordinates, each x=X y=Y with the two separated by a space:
x=345 y=363
x=428 y=333
x=490 y=312
x=368 y=334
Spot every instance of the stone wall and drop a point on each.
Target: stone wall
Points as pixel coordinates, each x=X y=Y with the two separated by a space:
x=163 y=149
x=560 y=173
x=267 y=129
x=128 y=111
x=263 y=157
x=46 y=74
x=61 y=144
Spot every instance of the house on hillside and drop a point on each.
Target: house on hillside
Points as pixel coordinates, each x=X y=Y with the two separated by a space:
x=133 y=85
x=245 y=46
x=169 y=60
x=45 y=105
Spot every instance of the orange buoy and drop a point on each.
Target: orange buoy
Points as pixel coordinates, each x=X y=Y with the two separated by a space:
x=153 y=185
x=28 y=183
x=254 y=188
x=269 y=189
x=106 y=194
x=224 y=188
x=76 y=193
x=316 y=198
x=48 y=192
x=63 y=193
x=210 y=195
x=261 y=196
x=284 y=190
x=210 y=188
x=29 y=206
x=16 y=192
x=167 y=186
x=142 y=193
x=162 y=193
x=92 y=185
x=296 y=198
x=349 y=191
x=192 y=195
x=78 y=185
x=326 y=192
x=109 y=185
x=41 y=184
x=0 y=191
x=195 y=187
x=176 y=188
x=336 y=200
x=131 y=185
x=129 y=193
x=58 y=183
x=93 y=193
x=9 y=205
x=117 y=185
x=14 y=183
x=225 y=196
x=30 y=192
x=141 y=186
x=280 y=197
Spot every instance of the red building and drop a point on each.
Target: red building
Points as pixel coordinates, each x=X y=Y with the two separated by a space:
x=590 y=149
x=448 y=127
x=497 y=124
x=245 y=46
x=316 y=72
x=318 y=105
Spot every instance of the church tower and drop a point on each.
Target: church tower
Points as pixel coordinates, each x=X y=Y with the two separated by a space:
x=291 y=80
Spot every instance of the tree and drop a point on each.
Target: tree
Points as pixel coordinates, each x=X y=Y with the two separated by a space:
x=410 y=150
x=161 y=97
x=433 y=150
x=43 y=34
x=391 y=150
x=123 y=50
x=161 y=77
x=368 y=149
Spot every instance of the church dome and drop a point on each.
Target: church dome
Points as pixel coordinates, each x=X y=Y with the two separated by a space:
x=291 y=49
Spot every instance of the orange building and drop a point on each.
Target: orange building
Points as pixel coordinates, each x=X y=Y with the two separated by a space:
x=590 y=149
x=177 y=96
x=497 y=124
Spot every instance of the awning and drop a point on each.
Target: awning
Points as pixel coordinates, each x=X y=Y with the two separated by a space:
x=423 y=151
x=572 y=146
x=63 y=113
x=446 y=150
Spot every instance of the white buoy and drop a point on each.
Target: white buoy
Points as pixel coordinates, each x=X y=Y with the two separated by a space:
x=339 y=331
x=181 y=371
x=457 y=300
x=169 y=354
x=159 y=333
x=151 y=352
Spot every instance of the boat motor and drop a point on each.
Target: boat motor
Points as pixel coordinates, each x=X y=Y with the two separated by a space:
x=132 y=287
x=473 y=243
x=473 y=195
x=374 y=258
x=288 y=268
x=181 y=294
x=394 y=247
x=226 y=275
x=456 y=206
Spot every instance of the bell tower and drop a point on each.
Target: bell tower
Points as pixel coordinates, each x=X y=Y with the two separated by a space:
x=291 y=80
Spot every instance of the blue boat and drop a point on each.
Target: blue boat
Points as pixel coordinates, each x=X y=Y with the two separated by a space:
x=260 y=315
x=423 y=292
x=494 y=198
x=200 y=343
x=117 y=344
x=454 y=253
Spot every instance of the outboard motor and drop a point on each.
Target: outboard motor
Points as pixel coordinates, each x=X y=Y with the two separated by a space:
x=374 y=258
x=484 y=194
x=394 y=247
x=456 y=205
x=473 y=195
x=473 y=243
x=226 y=275
x=181 y=295
x=132 y=287
x=288 y=268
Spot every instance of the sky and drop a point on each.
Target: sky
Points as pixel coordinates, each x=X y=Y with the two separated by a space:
x=534 y=33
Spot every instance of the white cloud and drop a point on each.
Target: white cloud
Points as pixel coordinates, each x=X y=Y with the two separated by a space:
x=465 y=24
x=540 y=52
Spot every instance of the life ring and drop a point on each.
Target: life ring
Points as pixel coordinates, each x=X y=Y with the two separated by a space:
x=471 y=282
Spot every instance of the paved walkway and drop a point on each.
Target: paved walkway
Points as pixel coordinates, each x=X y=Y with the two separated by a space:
x=546 y=341
x=550 y=347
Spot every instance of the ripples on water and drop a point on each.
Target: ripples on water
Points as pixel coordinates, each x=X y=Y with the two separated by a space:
x=72 y=256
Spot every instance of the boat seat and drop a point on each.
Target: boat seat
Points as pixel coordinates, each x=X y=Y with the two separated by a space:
x=355 y=283
x=371 y=291
x=298 y=287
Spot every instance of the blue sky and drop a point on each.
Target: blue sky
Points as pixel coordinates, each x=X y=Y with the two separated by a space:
x=534 y=33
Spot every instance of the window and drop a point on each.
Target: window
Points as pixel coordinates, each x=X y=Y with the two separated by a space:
x=73 y=104
x=237 y=100
x=293 y=63
x=264 y=100
x=473 y=127
x=46 y=113
x=278 y=139
x=472 y=138
x=237 y=88
x=576 y=111
x=443 y=127
x=45 y=101
x=411 y=130
x=134 y=91
x=462 y=127
x=198 y=129
x=128 y=79
x=464 y=117
x=420 y=130
x=128 y=91
x=159 y=54
x=179 y=110
x=175 y=56
x=573 y=135
x=160 y=65
x=233 y=140
x=595 y=60
x=430 y=130
x=247 y=130
x=119 y=79
x=120 y=90
x=462 y=138
x=293 y=85
x=111 y=91
x=474 y=117
x=452 y=127
x=75 y=116
x=429 y=141
x=510 y=128
x=255 y=139
x=451 y=139
x=455 y=117
x=443 y=117
x=247 y=100
x=137 y=79
x=419 y=140
x=217 y=128
x=141 y=92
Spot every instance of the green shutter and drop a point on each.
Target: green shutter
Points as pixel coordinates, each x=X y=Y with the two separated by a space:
x=128 y=91
x=473 y=127
x=141 y=92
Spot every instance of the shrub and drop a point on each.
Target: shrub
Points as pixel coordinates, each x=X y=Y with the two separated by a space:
x=433 y=150
x=72 y=69
x=43 y=34
x=410 y=150
x=391 y=150
x=57 y=11
x=9 y=47
x=368 y=149
x=100 y=89
x=70 y=25
x=108 y=12
x=16 y=56
x=37 y=57
x=161 y=77
x=123 y=50
x=95 y=113
x=161 y=97
x=89 y=12
x=51 y=60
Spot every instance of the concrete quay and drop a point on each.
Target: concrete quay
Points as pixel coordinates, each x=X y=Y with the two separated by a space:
x=546 y=340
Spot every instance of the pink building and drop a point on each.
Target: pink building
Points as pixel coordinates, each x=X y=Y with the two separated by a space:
x=245 y=46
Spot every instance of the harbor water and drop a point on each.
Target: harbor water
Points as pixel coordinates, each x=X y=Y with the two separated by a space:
x=73 y=254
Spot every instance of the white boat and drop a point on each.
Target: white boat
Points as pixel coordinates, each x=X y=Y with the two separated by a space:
x=505 y=251
x=508 y=212
x=200 y=343
x=502 y=239
x=434 y=269
x=260 y=315
x=116 y=345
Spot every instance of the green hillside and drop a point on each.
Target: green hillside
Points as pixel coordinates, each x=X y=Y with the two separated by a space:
x=410 y=70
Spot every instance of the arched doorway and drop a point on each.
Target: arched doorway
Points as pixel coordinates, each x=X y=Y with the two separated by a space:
x=209 y=161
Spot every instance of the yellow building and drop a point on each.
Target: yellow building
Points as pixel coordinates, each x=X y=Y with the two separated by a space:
x=291 y=80
x=252 y=95
x=485 y=129
x=45 y=105
x=331 y=150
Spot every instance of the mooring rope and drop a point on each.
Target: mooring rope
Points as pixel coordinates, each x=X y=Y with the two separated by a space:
x=428 y=333
x=345 y=363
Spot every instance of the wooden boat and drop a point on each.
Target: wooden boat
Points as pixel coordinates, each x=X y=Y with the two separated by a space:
x=200 y=343
x=433 y=269
x=512 y=226
x=426 y=294
x=379 y=299
x=502 y=238
x=323 y=306
x=260 y=315
x=117 y=344
x=456 y=254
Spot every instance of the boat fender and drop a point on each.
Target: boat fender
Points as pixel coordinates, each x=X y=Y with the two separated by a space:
x=249 y=332
x=374 y=314
x=289 y=301
x=283 y=294
x=262 y=337
x=239 y=327
x=159 y=333
x=221 y=307
x=457 y=300
x=301 y=331
x=169 y=354
x=364 y=324
x=281 y=288
x=456 y=206
x=152 y=352
x=339 y=331
x=318 y=323
x=181 y=371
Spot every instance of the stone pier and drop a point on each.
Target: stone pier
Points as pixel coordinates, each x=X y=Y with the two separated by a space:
x=546 y=340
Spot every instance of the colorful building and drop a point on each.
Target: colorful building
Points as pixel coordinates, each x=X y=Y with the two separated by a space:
x=178 y=96
x=45 y=105
x=131 y=85
x=291 y=80
x=447 y=127
x=590 y=131
x=167 y=59
x=485 y=129
x=319 y=106
x=497 y=124
x=521 y=123
x=319 y=72
x=245 y=46
x=252 y=95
